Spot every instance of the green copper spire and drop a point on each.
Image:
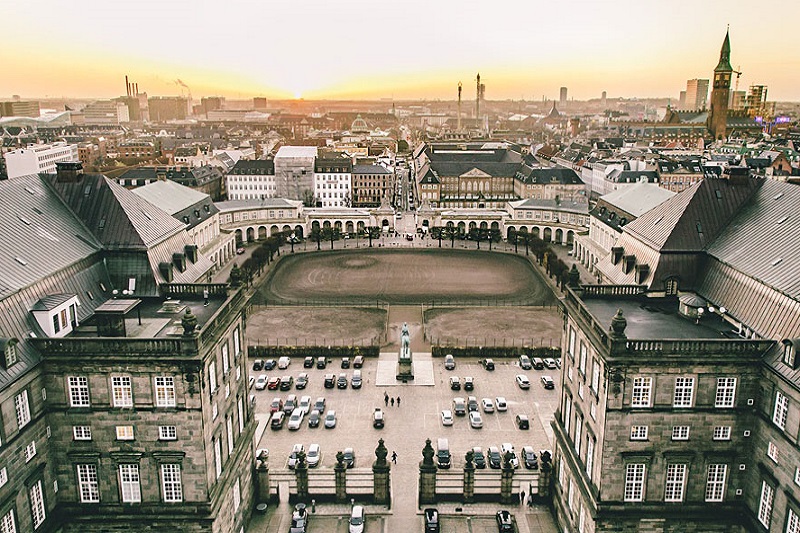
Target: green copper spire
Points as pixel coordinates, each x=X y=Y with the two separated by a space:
x=725 y=55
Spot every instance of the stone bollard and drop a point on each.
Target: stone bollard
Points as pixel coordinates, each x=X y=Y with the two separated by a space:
x=545 y=476
x=469 y=478
x=380 y=476
x=507 y=480
x=262 y=476
x=340 y=470
x=427 y=475
x=301 y=473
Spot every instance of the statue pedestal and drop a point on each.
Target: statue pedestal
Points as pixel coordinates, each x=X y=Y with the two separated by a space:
x=405 y=371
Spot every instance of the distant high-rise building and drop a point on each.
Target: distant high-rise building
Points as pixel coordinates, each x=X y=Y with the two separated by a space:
x=696 y=94
x=106 y=112
x=737 y=100
x=603 y=98
x=19 y=108
x=563 y=96
x=211 y=103
x=682 y=100
x=718 y=112
x=259 y=102
x=756 y=101
x=163 y=108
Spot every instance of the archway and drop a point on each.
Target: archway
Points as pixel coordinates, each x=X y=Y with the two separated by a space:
x=326 y=224
x=298 y=231
x=559 y=235
x=315 y=225
x=349 y=226
x=570 y=237
x=250 y=234
x=262 y=233
x=286 y=229
x=523 y=229
x=495 y=225
x=484 y=225
x=462 y=228
x=511 y=233
x=535 y=231
x=361 y=227
x=274 y=230
x=472 y=225
x=238 y=237
x=338 y=226
x=450 y=225
x=548 y=235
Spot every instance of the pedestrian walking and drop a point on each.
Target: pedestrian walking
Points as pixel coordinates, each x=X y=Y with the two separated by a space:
x=385 y=398
x=394 y=457
x=398 y=401
x=392 y=402
x=522 y=497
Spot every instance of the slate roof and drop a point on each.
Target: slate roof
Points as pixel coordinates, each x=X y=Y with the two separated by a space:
x=256 y=203
x=457 y=168
x=548 y=175
x=117 y=217
x=51 y=301
x=369 y=169
x=256 y=166
x=634 y=176
x=537 y=203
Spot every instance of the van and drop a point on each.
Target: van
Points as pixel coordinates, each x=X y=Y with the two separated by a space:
x=358 y=361
x=449 y=362
x=443 y=453
x=284 y=362
x=538 y=363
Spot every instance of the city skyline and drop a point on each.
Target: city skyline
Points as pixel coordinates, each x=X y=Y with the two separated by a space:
x=356 y=50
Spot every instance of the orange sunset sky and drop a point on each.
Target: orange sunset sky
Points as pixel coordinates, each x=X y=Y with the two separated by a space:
x=402 y=50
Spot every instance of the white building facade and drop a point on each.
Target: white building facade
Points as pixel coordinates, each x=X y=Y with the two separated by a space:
x=39 y=158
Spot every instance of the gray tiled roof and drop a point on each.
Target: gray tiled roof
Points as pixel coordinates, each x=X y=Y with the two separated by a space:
x=170 y=196
x=369 y=169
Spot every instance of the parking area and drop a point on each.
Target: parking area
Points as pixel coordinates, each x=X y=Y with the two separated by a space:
x=416 y=416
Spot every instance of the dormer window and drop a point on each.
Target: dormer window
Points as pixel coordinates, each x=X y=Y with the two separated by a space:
x=789 y=355
x=9 y=347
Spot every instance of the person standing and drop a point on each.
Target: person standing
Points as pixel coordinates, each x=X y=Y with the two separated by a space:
x=398 y=401
x=521 y=497
x=385 y=398
x=394 y=457
x=392 y=402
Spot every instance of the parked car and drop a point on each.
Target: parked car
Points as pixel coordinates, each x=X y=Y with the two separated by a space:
x=504 y=522
x=295 y=419
x=258 y=364
x=443 y=453
x=302 y=381
x=525 y=362
x=523 y=381
x=495 y=460
x=507 y=447
x=478 y=458
x=355 y=381
x=455 y=383
x=308 y=362
x=286 y=382
x=290 y=404
x=538 y=363
x=321 y=362
x=276 y=405
x=330 y=419
x=472 y=404
x=276 y=422
x=341 y=383
x=500 y=404
x=548 y=383
x=358 y=361
x=319 y=404
x=377 y=418
x=299 y=519
x=550 y=363
x=475 y=420
x=261 y=382
x=284 y=362
x=522 y=422
x=273 y=383
x=459 y=407
x=345 y=362
x=297 y=448
x=449 y=362
x=349 y=457
x=313 y=455
x=488 y=406
x=488 y=364
x=305 y=404
x=529 y=458
x=447 y=417
x=269 y=364
x=356 y=523
x=330 y=381
x=313 y=419
x=431 y=520
x=469 y=383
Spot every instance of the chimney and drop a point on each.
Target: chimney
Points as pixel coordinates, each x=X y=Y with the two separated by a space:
x=127 y=87
x=166 y=270
x=738 y=175
x=69 y=172
x=191 y=252
x=136 y=89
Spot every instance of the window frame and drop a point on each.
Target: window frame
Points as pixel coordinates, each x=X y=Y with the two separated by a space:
x=165 y=391
x=78 y=390
x=639 y=432
x=765 y=503
x=716 y=481
x=36 y=500
x=22 y=408
x=121 y=391
x=674 y=481
x=88 y=488
x=130 y=487
x=642 y=392
x=680 y=432
x=634 y=487
x=780 y=411
x=171 y=483
x=683 y=395
x=725 y=394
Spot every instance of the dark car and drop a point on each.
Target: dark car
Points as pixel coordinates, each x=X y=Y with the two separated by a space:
x=478 y=458
x=349 y=457
x=321 y=362
x=504 y=522
x=431 y=521
x=308 y=362
x=358 y=362
x=469 y=383
x=319 y=404
x=522 y=422
x=330 y=381
x=525 y=362
x=494 y=457
x=276 y=421
x=302 y=381
x=258 y=364
x=341 y=383
x=345 y=362
x=529 y=458
x=313 y=419
x=548 y=383
x=269 y=364
x=488 y=364
x=286 y=382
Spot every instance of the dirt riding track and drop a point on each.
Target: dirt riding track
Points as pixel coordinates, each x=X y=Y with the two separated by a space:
x=405 y=277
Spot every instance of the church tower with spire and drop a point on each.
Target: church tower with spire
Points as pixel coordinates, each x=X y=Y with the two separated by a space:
x=718 y=112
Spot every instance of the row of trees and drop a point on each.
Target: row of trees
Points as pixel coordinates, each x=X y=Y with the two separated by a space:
x=262 y=256
x=318 y=235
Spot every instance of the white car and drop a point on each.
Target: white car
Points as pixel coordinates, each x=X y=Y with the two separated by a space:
x=488 y=406
x=261 y=382
x=296 y=419
x=523 y=381
x=475 y=420
x=356 y=522
x=508 y=447
x=550 y=363
x=305 y=404
x=293 y=456
x=284 y=362
x=313 y=455
x=447 y=417
x=501 y=404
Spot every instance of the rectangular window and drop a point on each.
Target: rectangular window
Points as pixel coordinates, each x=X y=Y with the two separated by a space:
x=237 y=342
x=571 y=351
x=715 y=483
x=124 y=432
x=78 y=391
x=589 y=456
x=7 y=523
x=642 y=388
x=684 y=392
x=30 y=451
x=3 y=476
x=22 y=408
x=772 y=451
x=121 y=391
x=765 y=504
x=165 y=391
x=229 y=424
x=638 y=432
x=576 y=440
x=722 y=433
x=225 y=361
x=167 y=433
x=792 y=523
x=781 y=410
x=567 y=413
x=680 y=432
x=676 y=480
x=87 y=484
x=240 y=411
x=129 y=483
x=237 y=495
x=36 y=498
x=595 y=375
x=582 y=364
x=634 y=482
x=726 y=392
x=82 y=432
x=212 y=377
x=171 y=483
x=218 y=457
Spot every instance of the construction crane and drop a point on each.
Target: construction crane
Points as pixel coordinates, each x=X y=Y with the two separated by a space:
x=738 y=75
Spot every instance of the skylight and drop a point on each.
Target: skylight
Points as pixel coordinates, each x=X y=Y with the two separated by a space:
x=778 y=196
x=21 y=261
x=778 y=260
x=783 y=219
x=24 y=220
